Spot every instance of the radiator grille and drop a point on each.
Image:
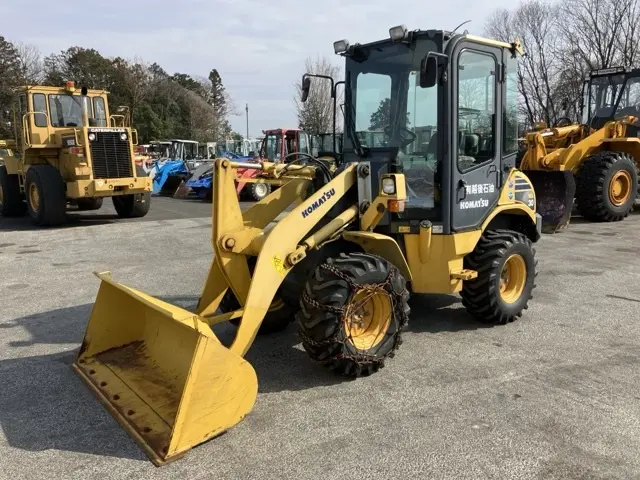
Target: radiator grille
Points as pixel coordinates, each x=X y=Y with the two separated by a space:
x=110 y=156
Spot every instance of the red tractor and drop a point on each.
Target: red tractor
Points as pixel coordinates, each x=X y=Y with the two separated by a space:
x=277 y=145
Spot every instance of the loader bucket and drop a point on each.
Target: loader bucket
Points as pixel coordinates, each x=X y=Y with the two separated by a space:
x=555 y=191
x=161 y=372
x=171 y=184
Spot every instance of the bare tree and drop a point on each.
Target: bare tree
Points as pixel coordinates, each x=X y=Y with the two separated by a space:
x=563 y=41
x=316 y=114
x=31 y=62
x=594 y=30
x=535 y=23
x=135 y=81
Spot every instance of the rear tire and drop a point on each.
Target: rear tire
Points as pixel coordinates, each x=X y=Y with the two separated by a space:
x=86 y=204
x=491 y=298
x=12 y=202
x=257 y=191
x=332 y=338
x=45 y=194
x=607 y=186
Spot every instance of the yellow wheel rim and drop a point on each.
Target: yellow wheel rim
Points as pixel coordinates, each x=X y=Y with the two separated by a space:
x=34 y=197
x=276 y=304
x=513 y=278
x=620 y=188
x=367 y=318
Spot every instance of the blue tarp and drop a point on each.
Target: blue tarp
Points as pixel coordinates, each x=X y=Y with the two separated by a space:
x=202 y=184
x=164 y=170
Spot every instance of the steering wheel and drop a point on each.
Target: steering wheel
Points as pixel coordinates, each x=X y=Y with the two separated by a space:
x=406 y=141
x=566 y=120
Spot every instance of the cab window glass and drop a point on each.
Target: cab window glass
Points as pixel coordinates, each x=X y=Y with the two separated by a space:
x=476 y=109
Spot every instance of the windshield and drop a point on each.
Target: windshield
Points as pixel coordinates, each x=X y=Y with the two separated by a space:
x=610 y=97
x=389 y=109
x=184 y=151
x=66 y=110
x=272 y=147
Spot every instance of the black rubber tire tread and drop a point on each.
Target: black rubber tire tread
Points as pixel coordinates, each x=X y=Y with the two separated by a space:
x=85 y=204
x=133 y=206
x=273 y=322
x=592 y=180
x=13 y=204
x=481 y=296
x=254 y=194
x=51 y=189
x=322 y=331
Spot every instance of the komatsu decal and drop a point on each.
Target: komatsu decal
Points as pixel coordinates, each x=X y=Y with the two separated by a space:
x=311 y=208
x=481 y=203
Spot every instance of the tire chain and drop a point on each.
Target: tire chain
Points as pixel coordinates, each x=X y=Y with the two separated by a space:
x=359 y=359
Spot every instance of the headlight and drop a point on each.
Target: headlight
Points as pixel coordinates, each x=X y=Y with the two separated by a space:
x=341 y=46
x=398 y=33
x=123 y=137
x=388 y=186
x=92 y=137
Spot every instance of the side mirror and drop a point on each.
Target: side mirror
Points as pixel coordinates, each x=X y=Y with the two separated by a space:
x=428 y=71
x=83 y=91
x=306 y=85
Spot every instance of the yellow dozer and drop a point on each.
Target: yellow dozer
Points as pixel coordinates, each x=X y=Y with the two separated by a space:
x=594 y=162
x=69 y=150
x=358 y=236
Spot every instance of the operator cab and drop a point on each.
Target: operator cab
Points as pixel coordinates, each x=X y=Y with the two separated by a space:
x=279 y=143
x=454 y=137
x=609 y=94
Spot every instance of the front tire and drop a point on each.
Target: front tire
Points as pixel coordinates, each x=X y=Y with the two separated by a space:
x=353 y=310
x=257 y=191
x=506 y=265
x=87 y=204
x=46 y=198
x=12 y=202
x=277 y=318
x=607 y=186
x=135 y=205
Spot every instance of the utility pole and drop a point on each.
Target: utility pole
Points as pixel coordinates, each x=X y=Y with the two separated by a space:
x=246 y=108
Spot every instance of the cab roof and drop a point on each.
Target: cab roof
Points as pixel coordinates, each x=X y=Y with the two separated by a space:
x=60 y=89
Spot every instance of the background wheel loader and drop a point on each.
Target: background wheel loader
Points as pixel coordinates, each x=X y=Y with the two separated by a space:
x=452 y=217
x=69 y=149
x=594 y=162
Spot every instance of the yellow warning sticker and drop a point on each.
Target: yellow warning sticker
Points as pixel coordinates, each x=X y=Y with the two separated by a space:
x=278 y=264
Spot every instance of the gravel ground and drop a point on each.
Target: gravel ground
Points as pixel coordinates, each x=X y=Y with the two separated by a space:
x=554 y=395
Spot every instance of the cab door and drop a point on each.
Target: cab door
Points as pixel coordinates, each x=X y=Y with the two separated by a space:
x=476 y=130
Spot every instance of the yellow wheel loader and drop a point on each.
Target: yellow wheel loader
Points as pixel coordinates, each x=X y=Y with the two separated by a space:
x=449 y=216
x=594 y=162
x=70 y=150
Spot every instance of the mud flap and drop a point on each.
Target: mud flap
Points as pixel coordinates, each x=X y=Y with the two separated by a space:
x=555 y=192
x=161 y=372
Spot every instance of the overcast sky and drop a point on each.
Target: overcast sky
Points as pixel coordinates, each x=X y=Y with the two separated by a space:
x=258 y=46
